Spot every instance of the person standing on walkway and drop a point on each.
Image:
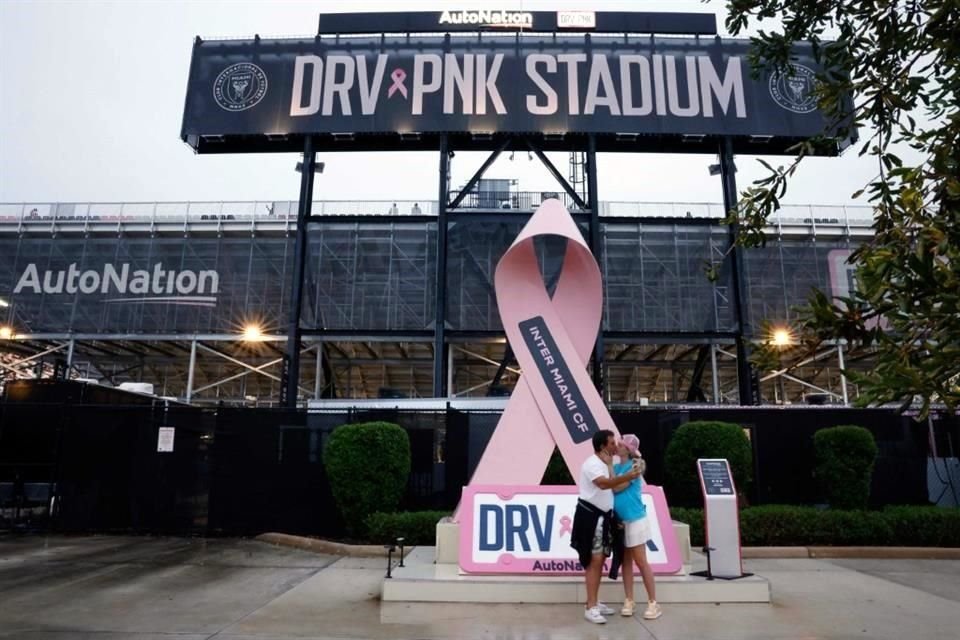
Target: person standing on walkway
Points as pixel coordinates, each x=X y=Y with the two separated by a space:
x=629 y=507
x=593 y=520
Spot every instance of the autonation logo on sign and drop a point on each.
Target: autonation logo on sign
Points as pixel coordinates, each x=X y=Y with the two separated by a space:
x=155 y=286
x=526 y=530
x=487 y=18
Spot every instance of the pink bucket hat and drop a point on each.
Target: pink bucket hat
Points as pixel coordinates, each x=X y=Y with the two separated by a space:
x=632 y=443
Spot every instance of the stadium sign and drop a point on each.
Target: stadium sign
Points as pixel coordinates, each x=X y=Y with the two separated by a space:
x=576 y=20
x=263 y=95
x=494 y=20
x=158 y=285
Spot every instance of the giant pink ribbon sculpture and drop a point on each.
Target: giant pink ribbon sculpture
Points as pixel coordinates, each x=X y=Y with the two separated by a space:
x=554 y=401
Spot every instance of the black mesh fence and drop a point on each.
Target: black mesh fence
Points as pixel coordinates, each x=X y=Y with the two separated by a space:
x=73 y=462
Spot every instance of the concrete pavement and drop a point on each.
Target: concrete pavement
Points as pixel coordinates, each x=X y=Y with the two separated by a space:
x=123 y=588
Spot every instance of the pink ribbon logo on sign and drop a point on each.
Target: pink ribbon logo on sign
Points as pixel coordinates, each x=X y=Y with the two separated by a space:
x=398 y=76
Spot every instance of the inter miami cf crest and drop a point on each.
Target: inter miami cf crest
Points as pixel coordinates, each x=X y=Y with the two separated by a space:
x=240 y=86
x=793 y=89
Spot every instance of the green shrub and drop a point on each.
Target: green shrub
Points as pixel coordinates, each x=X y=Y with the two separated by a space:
x=844 y=465
x=367 y=465
x=924 y=526
x=777 y=525
x=556 y=471
x=705 y=440
x=839 y=528
x=783 y=525
x=415 y=527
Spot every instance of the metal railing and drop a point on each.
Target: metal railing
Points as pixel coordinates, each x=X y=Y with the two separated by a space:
x=788 y=215
x=514 y=200
x=285 y=210
x=176 y=212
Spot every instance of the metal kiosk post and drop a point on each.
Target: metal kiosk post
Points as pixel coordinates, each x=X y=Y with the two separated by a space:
x=721 y=512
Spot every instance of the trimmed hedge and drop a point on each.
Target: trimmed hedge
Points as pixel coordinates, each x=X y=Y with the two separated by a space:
x=845 y=457
x=784 y=525
x=766 y=526
x=925 y=526
x=705 y=439
x=368 y=465
x=416 y=527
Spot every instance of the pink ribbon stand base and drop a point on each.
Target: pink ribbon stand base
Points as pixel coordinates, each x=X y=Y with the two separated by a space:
x=529 y=533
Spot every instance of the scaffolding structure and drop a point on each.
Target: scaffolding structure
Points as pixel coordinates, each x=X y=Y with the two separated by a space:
x=370 y=302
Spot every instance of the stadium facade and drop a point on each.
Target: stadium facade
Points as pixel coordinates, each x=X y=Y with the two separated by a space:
x=167 y=293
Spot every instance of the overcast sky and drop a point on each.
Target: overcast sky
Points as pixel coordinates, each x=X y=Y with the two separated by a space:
x=91 y=102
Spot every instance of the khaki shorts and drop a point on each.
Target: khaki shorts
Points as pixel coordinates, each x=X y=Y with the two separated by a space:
x=597 y=548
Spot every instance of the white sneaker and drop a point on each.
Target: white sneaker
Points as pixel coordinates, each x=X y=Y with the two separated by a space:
x=628 y=608
x=605 y=610
x=653 y=611
x=593 y=615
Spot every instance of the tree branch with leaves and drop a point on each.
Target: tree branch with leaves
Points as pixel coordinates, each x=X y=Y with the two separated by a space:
x=901 y=63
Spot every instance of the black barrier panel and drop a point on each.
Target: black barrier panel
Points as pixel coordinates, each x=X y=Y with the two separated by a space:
x=264 y=94
x=249 y=471
x=268 y=475
x=783 y=453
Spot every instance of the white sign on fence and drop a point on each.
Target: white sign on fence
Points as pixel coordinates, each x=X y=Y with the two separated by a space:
x=165 y=439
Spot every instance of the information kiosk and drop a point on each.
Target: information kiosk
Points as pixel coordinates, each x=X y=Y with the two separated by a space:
x=721 y=513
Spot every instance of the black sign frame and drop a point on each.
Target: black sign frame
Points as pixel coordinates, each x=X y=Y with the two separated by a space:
x=717 y=478
x=241 y=96
x=664 y=23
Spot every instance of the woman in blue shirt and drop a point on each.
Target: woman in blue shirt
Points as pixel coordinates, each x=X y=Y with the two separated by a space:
x=629 y=507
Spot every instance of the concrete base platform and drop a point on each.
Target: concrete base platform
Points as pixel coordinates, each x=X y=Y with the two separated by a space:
x=422 y=580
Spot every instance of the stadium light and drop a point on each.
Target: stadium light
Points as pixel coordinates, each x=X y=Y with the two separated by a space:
x=6 y=332
x=4 y=303
x=781 y=337
x=252 y=333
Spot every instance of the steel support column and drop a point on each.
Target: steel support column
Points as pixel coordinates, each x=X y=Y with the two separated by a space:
x=740 y=308
x=843 y=374
x=715 y=373
x=595 y=247
x=70 y=356
x=450 y=372
x=440 y=319
x=318 y=375
x=290 y=374
x=190 y=369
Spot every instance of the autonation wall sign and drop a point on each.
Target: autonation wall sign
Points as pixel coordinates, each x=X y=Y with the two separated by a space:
x=123 y=284
x=498 y=84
